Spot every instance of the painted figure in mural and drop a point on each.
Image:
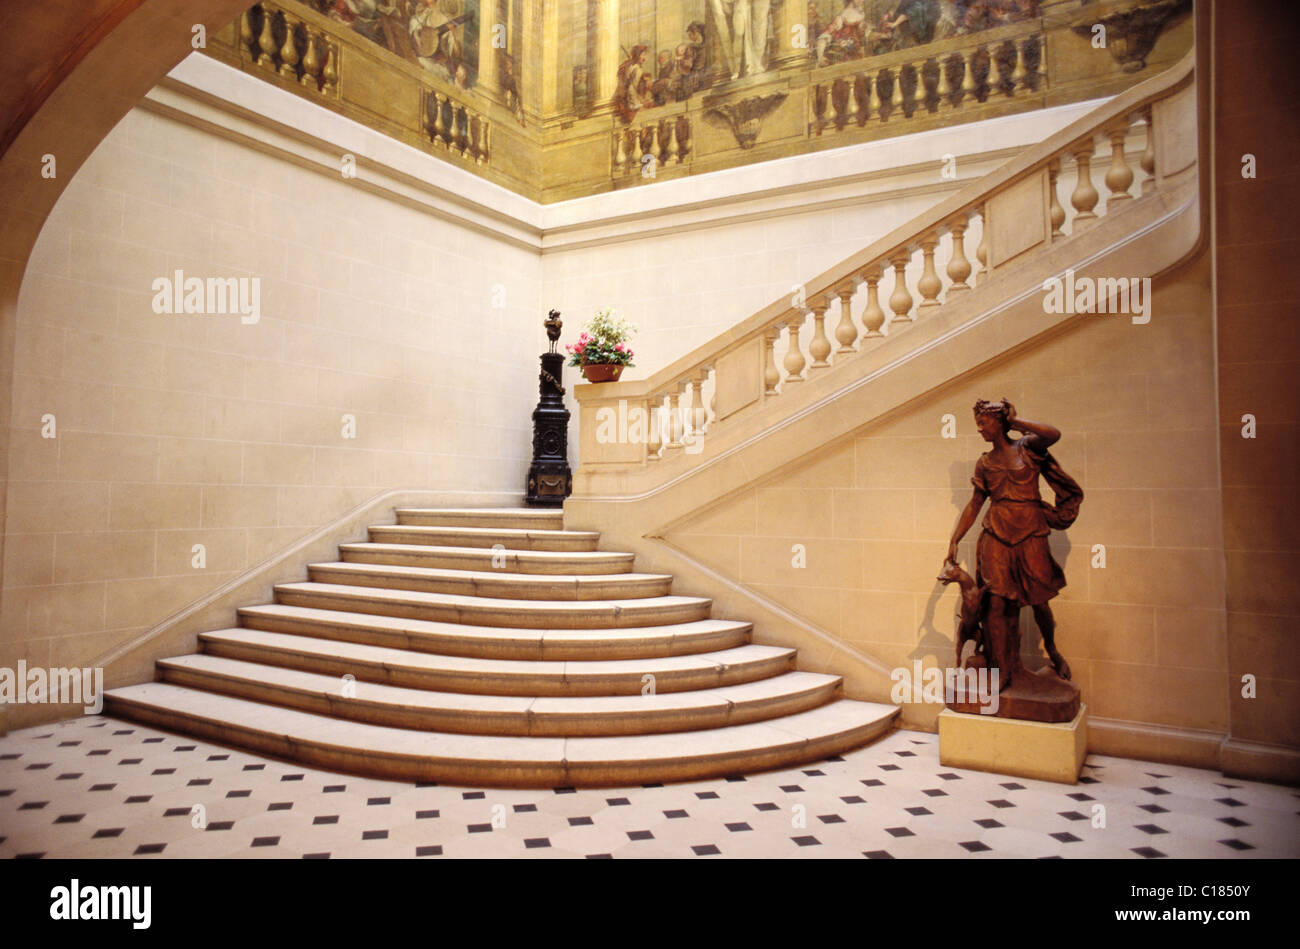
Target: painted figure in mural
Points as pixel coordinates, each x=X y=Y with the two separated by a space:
x=743 y=28
x=633 y=91
x=843 y=38
x=1014 y=565
x=510 y=87
x=911 y=23
x=435 y=31
x=380 y=22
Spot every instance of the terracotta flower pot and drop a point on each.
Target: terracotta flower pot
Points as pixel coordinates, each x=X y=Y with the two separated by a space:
x=602 y=371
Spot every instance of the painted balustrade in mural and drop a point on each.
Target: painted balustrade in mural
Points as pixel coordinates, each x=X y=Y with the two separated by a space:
x=858 y=306
x=289 y=46
x=952 y=75
x=457 y=128
x=665 y=140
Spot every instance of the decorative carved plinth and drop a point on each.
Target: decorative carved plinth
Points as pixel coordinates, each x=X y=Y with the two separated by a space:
x=1040 y=750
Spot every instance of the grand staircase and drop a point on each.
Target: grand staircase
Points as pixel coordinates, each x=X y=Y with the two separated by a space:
x=493 y=647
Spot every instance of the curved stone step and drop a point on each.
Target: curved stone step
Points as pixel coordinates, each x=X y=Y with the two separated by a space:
x=498 y=642
x=516 y=517
x=485 y=611
x=418 y=670
x=507 y=537
x=503 y=715
x=544 y=562
x=496 y=584
x=491 y=760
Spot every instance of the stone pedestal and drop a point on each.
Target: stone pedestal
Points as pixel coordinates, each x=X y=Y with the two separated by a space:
x=1048 y=751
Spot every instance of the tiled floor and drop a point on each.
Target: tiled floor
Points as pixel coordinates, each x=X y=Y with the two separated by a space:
x=98 y=787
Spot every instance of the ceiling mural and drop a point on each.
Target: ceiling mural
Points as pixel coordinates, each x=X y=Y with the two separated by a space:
x=563 y=98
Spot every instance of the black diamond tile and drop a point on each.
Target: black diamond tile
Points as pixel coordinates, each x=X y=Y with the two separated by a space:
x=1151 y=829
x=653 y=784
x=1084 y=779
x=418 y=784
x=830 y=818
x=316 y=856
x=835 y=758
x=525 y=808
x=934 y=792
x=176 y=812
x=1001 y=803
x=918 y=811
x=877 y=855
x=706 y=850
x=254 y=767
x=198 y=782
x=815 y=773
x=707 y=795
x=738 y=827
x=890 y=767
x=1073 y=815
x=33 y=805
x=734 y=778
x=949 y=776
x=640 y=835
x=1080 y=796
x=110 y=832
x=580 y=822
x=899 y=832
x=1236 y=844
x=431 y=850
x=1148 y=852
x=325 y=819
x=767 y=806
x=676 y=814
x=97 y=752
x=69 y=818
x=11 y=755
x=1152 y=774
x=480 y=828
x=600 y=856
x=1013 y=786
x=123 y=761
x=374 y=835
x=45 y=764
x=617 y=801
x=139 y=799
x=378 y=801
x=852 y=799
x=221 y=825
x=280 y=806
x=473 y=795
x=988 y=823
x=69 y=744
x=906 y=754
x=974 y=846
x=807 y=841
x=1233 y=821
x=791 y=788
x=266 y=841
x=575 y=790
x=243 y=793
x=533 y=843
x=1155 y=790
x=157 y=771
x=218 y=757
x=149 y=848
x=1153 y=808
x=872 y=782
x=148 y=741
x=425 y=815
x=335 y=788
x=5 y=792
x=1065 y=837
x=292 y=777
x=1229 y=802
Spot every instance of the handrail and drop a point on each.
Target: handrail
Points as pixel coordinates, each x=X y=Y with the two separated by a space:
x=965 y=202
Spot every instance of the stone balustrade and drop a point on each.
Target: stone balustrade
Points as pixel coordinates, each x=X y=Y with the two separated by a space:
x=1043 y=198
x=290 y=47
x=943 y=77
x=456 y=127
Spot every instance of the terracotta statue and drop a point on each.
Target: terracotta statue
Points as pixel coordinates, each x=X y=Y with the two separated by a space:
x=1014 y=566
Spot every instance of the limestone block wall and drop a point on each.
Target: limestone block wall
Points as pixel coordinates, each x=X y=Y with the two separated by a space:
x=379 y=361
x=852 y=538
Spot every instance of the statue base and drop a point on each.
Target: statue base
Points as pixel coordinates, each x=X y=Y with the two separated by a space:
x=1040 y=696
x=1046 y=751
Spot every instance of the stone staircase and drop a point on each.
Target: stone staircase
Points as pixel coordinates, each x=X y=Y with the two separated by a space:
x=493 y=647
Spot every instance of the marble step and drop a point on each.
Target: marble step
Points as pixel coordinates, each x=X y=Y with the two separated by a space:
x=503 y=761
x=544 y=562
x=417 y=670
x=503 y=714
x=486 y=611
x=496 y=584
x=498 y=642
x=508 y=538
x=523 y=518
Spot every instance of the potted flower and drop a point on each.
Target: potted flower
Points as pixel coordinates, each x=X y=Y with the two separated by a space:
x=602 y=349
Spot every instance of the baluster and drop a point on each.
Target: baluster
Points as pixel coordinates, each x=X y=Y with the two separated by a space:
x=620 y=150
x=900 y=301
x=815 y=108
x=475 y=131
x=771 y=376
x=896 y=97
x=485 y=153
x=982 y=251
x=439 y=129
x=995 y=70
x=1040 y=74
x=462 y=130
x=310 y=63
x=921 y=94
x=288 y=53
x=1019 y=75
x=654 y=142
x=846 y=333
x=266 y=41
x=1058 y=212
x=929 y=285
x=958 y=266
x=1119 y=176
x=675 y=428
x=874 y=105
x=1085 y=196
x=873 y=317
x=851 y=103
x=1149 y=154
x=654 y=437
x=672 y=152
x=246 y=36
x=683 y=136
x=944 y=89
x=968 y=85
x=794 y=361
x=832 y=114
x=820 y=347
x=330 y=74
x=704 y=414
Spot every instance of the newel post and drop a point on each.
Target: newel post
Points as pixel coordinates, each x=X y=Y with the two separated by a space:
x=549 y=479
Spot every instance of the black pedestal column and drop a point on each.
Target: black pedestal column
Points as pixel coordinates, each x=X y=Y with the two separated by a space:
x=550 y=480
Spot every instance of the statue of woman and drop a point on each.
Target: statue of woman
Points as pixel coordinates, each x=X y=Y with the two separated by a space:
x=1014 y=564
